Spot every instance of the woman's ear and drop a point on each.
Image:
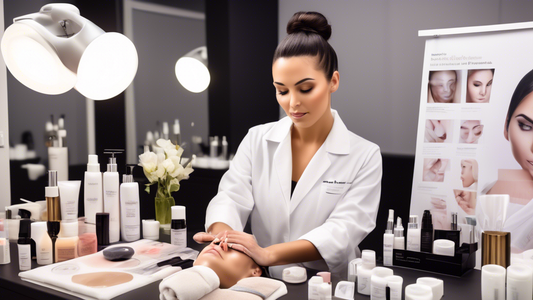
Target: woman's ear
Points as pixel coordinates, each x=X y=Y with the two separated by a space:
x=334 y=82
x=256 y=272
x=506 y=129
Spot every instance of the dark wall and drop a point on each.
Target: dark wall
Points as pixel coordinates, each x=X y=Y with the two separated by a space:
x=241 y=39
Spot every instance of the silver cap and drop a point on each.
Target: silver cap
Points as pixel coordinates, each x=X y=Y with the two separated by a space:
x=52 y=178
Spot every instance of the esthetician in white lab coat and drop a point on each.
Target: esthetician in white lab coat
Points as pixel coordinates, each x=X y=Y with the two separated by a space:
x=337 y=174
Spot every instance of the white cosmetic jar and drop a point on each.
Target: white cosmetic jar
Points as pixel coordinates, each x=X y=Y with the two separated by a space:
x=436 y=285
x=492 y=282
x=444 y=247
x=418 y=292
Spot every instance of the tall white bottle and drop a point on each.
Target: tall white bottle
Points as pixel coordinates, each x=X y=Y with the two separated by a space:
x=93 y=190
x=130 y=219
x=413 y=234
x=388 y=240
x=111 y=197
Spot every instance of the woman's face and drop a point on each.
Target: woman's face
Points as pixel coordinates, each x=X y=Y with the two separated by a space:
x=467 y=175
x=230 y=266
x=443 y=86
x=479 y=86
x=520 y=134
x=302 y=90
x=471 y=131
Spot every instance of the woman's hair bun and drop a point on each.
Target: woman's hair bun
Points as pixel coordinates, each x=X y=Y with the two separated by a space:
x=309 y=22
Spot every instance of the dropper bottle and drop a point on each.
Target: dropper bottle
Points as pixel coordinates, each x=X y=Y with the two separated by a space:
x=388 y=240
x=399 y=239
x=53 y=208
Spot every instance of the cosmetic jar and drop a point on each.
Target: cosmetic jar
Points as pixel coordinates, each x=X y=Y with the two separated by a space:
x=378 y=283
x=496 y=248
x=151 y=230
x=492 y=282
x=436 y=285
x=444 y=247
x=294 y=275
x=519 y=282
x=365 y=272
x=345 y=290
x=417 y=291
x=352 y=269
x=395 y=284
x=313 y=287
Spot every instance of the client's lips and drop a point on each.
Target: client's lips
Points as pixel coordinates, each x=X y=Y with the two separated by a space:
x=298 y=115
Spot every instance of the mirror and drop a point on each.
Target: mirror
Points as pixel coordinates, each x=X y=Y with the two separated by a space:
x=162 y=35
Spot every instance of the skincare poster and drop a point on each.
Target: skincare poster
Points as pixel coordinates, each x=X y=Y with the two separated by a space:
x=467 y=145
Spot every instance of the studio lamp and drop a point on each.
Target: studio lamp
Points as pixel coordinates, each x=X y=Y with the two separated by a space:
x=192 y=72
x=56 y=49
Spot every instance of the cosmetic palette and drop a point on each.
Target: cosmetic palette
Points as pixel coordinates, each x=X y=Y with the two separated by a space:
x=93 y=276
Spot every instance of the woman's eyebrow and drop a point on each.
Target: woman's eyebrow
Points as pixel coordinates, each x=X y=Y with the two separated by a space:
x=301 y=81
x=525 y=117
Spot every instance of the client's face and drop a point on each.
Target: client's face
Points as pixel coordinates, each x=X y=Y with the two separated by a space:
x=520 y=134
x=230 y=266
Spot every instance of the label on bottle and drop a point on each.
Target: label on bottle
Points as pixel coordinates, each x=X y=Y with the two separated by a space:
x=362 y=285
x=178 y=237
x=24 y=257
x=395 y=294
x=44 y=256
x=387 y=254
x=313 y=292
x=63 y=254
x=378 y=293
x=426 y=241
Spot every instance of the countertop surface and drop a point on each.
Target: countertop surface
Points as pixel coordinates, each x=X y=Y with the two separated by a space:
x=12 y=287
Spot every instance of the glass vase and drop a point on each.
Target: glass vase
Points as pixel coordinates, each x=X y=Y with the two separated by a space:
x=163 y=212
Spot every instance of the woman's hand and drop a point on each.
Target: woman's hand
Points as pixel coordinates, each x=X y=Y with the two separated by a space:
x=203 y=237
x=246 y=244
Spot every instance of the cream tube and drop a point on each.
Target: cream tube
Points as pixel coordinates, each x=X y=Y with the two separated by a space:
x=492 y=282
x=69 y=192
x=519 y=282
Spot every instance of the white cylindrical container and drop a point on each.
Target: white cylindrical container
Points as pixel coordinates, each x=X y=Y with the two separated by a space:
x=58 y=160
x=352 y=269
x=130 y=220
x=444 y=247
x=43 y=243
x=519 y=282
x=178 y=232
x=93 y=190
x=365 y=272
x=313 y=287
x=399 y=240
x=378 y=283
x=111 y=186
x=418 y=292
x=413 y=234
x=69 y=193
x=436 y=285
x=492 y=282
x=151 y=230
x=395 y=284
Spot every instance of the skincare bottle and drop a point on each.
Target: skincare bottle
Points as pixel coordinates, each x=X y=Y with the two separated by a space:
x=13 y=225
x=70 y=194
x=58 y=160
x=426 y=233
x=314 y=287
x=43 y=243
x=87 y=243
x=176 y=133
x=388 y=240
x=413 y=234
x=325 y=291
x=178 y=233
x=93 y=189
x=213 y=147
x=165 y=132
x=24 y=245
x=130 y=226
x=102 y=230
x=453 y=235
x=224 y=148
x=399 y=240
x=365 y=272
x=67 y=243
x=53 y=208
x=49 y=134
x=111 y=196
x=5 y=257
x=149 y=141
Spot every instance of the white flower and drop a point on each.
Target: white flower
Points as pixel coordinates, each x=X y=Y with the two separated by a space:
x=148 y=161
x=168 y=164
x=169 y=148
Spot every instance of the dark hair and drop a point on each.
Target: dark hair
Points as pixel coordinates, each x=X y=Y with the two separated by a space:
x=474 y=70
x=431 y=73
x=308 y=34
x=524 y=88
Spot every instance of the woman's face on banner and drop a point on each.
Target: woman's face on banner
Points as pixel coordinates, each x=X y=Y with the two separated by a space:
x=479 y=86
x=471 y=131
x=520 y=133
x=467 y=175
x=443 y=86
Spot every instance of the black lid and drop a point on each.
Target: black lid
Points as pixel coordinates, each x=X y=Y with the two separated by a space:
x=24 y=213
x=427 y=222
x=25 y=232
x=8 y=214
x=102 y=228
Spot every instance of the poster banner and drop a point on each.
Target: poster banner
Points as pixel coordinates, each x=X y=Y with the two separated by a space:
x=475 y=129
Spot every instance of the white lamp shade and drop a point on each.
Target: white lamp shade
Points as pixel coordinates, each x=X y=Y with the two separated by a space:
x=107 y=67
x=34 y=62
x=192 y=74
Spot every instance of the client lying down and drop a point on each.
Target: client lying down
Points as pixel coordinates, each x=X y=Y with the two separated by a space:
x=221 y=273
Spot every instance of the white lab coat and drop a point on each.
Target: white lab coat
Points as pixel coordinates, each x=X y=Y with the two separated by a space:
x=334 y=204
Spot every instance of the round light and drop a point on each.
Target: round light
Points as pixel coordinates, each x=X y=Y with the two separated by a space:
x=192 y=74
x=33 y=62
x=107 y=67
